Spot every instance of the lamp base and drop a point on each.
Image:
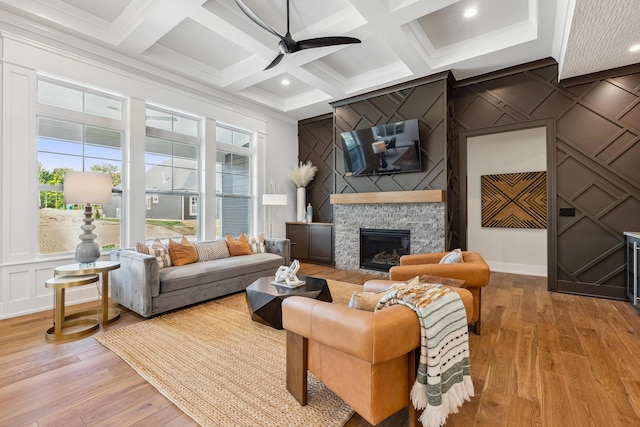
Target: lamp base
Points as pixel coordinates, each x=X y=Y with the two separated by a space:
x=88 y=250
x=383 y=161
x=87 y=253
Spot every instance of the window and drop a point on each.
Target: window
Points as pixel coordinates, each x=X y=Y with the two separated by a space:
x=78 y=129
x=233 y=181
x=233 y=137
x=172 y=122
x=172 y=165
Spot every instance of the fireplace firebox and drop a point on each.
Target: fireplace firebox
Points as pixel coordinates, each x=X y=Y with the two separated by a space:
x=381 y=249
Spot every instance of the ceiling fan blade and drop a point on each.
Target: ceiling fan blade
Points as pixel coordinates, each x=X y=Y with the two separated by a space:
x=243 y=7
x=326 y=41
x=275 y=61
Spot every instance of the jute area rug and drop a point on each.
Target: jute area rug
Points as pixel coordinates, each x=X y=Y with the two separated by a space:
x=223 y=369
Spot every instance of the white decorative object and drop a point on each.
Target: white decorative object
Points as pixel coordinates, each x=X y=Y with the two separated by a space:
x=309 y=213
x=301 y=201
x=286 y=276
x=301 y=175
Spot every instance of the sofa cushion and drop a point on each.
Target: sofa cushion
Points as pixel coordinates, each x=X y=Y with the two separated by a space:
x=182 y=253
x=185 y=276
x=208 y=251
x=257 y=244
x=239 y=246
x=158 y=250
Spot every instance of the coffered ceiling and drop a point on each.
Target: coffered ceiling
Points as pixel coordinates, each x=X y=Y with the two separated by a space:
x=211 y=44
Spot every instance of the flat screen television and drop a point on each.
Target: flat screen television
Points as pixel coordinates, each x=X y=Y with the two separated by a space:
x=384 y=149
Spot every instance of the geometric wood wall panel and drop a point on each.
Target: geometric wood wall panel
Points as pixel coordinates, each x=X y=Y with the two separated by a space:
x=596 y=169
x=427 y=101
x=315 y=145
x=514 y=200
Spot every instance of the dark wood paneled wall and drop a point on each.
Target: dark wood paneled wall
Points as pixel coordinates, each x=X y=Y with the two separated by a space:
x=425 y=101
x=597 y=169
x=596 y=172
x=315 y=144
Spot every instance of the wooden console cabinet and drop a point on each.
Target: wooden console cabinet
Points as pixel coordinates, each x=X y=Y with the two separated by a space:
x=311 y=241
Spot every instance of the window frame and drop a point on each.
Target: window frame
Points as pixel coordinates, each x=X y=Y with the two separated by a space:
x=84 y=119
x=181 y=138
x=251 y=153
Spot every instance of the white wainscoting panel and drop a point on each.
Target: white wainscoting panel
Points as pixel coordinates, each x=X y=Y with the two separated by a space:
x=23 y=290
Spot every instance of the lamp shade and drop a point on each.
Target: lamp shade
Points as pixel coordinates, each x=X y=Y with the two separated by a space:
x=87 y=187
x=379 y=147
x=274 y=199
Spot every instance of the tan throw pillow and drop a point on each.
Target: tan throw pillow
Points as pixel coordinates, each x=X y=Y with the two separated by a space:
x=238 y=247
x=257 y=244
x=158 y=250
x=368 y=300
x=453 y=257
x=142 y=248
x=212 y=250
x=182 y=253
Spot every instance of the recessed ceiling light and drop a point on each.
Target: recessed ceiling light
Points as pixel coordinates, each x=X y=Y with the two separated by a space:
x=471 y=12
x=635 y=48
x=285 y=82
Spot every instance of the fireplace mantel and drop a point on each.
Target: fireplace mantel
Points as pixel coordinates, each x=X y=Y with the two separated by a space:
x=419 y=196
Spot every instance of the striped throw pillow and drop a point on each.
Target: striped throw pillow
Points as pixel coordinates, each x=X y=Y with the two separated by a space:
x=257 y=244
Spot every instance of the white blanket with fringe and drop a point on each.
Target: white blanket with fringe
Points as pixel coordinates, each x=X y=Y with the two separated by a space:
x=443 y=381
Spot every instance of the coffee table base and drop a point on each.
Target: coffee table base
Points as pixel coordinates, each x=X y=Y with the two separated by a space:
x=265 y=300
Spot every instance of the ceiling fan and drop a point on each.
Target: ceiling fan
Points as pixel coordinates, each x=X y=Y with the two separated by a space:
x=287 y=44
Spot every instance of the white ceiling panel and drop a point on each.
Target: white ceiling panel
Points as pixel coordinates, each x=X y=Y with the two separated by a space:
x=202 y=44
x=213 y=43
x=357 y=59
x=448 y=25
x=107 y=10
x=275 y=86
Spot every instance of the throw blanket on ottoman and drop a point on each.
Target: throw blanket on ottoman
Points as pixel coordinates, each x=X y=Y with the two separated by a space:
x=443 y=380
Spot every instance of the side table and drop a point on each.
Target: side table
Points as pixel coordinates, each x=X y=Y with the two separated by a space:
x=107 y=315
x=76 y=323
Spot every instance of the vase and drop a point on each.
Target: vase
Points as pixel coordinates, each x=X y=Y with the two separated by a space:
x=301 y=203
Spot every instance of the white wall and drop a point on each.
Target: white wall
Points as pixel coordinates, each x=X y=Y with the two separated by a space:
x=512 y=250
x=280 y=159
x=22 y=270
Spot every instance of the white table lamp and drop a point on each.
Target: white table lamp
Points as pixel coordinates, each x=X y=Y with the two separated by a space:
x=273 y=199
x=87 y=188
x=380 y=148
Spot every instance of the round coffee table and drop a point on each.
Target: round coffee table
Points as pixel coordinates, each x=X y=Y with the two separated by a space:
x=265 y=299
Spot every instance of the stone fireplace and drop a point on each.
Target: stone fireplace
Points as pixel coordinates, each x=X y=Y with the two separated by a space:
x=422 y=213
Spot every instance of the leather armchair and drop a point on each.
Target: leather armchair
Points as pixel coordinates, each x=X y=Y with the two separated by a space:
x=474 y=271
x=366 y=358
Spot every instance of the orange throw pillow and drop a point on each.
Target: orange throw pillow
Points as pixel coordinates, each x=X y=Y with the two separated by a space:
x=240 y=246
x=182 y=253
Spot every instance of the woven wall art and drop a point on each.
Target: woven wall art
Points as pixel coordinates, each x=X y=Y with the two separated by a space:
x=514 y=200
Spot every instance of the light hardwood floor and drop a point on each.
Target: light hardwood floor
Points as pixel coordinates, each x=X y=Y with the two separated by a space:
x=543 y=359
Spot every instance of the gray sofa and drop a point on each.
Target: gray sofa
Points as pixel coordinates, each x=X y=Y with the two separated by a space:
x=142 y=287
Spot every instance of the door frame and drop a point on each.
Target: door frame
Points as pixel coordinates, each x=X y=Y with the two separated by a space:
x=552 y=226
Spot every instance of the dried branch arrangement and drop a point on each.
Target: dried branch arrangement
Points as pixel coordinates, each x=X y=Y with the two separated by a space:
x=303 y=173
